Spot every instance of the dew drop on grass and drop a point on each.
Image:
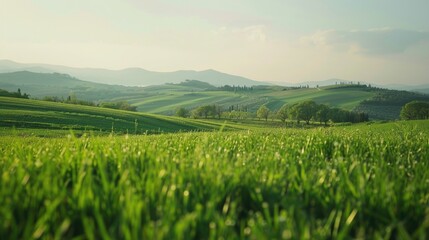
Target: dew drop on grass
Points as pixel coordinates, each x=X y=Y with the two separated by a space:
x=186 y=193
x=229 y=222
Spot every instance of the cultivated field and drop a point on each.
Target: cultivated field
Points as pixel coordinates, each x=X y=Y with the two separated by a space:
x=164 y=99
x=362 y=181
x=26 y=113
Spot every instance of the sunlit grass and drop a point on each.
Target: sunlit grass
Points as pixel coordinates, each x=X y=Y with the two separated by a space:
x=321 y=184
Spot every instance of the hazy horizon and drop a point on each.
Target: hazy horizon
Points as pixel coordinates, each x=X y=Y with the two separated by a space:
x=383 y=42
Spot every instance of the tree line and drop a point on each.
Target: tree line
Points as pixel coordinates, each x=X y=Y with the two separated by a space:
x=234 y=88
x=303 y=111
x=310 y=110
x=17 y=94
x=212 y=111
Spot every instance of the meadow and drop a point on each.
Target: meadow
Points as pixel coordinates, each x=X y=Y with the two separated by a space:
x=36 y=114
x=366 y=181
x=164 y=99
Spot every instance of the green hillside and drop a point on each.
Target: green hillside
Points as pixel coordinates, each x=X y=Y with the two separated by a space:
x=165 y=99
x=39 y=85
x=49 y=115
x=382 y=104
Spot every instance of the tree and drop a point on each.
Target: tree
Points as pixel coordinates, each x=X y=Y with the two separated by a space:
x=204 y=111
x=73 y=98
x=182 y=112
x=338 y=115
x=283 y=113
x=293 y=112
x=273 y=115
x=415 y=110
x=218 y=111
x=322 y=113
x=305 y=111
x=263 y=112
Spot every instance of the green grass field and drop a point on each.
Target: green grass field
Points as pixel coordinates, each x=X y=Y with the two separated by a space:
x=379 y=104
x=166 y=98
x=33 y=117
x=366 y=181
x=24 y=113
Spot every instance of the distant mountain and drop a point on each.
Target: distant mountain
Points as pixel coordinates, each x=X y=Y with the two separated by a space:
x=132 y=76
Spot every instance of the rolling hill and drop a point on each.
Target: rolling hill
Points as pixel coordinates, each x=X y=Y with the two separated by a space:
x=50 y=115
x=39 y=85
x=131 y=76
x=166 y=98
x=382 y=104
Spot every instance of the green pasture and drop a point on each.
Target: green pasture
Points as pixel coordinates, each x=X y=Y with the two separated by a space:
x=365 y=181
x=24 y=113
x=156 y=99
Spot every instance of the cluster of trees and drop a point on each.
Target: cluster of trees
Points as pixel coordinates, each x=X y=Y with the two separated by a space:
x=350 y=83
x=241 y=108
x=234 y=88
x=214 y=111
x=415 y=110
x=182 y=112
x=17 y=94
x=204 y=111
x=302 y=111
x=71 y=99
x=207 y=111
x=291 y=88
x=309 y=110
x=121 y=105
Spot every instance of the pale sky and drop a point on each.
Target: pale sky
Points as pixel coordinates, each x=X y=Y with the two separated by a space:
x=378 y=41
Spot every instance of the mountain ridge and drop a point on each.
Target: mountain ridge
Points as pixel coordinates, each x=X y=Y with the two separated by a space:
x=136 y=76
x=133 y=76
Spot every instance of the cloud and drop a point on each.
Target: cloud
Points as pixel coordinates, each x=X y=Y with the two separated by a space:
x=372 y=42
x=253 y=33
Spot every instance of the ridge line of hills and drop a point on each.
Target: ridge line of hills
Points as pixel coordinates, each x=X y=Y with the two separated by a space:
x=135 y=76
x=131 y=76
x=165 y=99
